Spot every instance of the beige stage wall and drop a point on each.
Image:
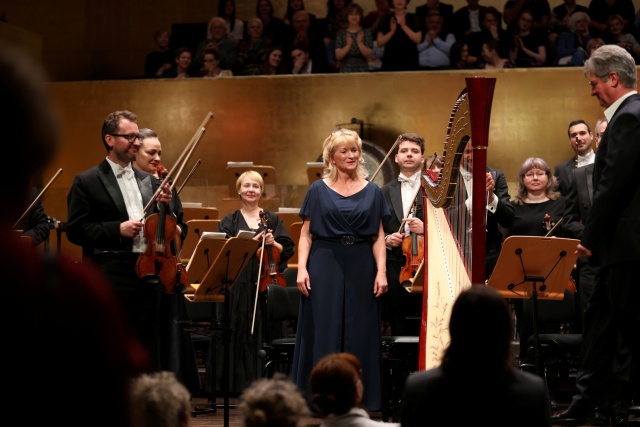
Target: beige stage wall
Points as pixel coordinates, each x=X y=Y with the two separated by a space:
x=282 y=121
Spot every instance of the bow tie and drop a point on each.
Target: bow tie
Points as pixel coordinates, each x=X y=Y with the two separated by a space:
x=409 y=181
x=124 y=172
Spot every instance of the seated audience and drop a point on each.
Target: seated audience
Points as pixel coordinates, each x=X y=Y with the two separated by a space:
x=160 y=400
x=476 y=367
x=336 y=392
x=273 y=61
x=354 y=44
x=466 y=20
x=212 y=65
x=616 y=35
x=274 y=28
x=252 y=50
x=273 y=402
x=160 y=59
x=593 y=44
x=294 y=6
x=303 y=63
x=459 y=56
x=219 y=40
x=235 y=26
x=571 y=48
x=182 y=67
x=305 y=32
x=491 y=58
x=600 y=10
x=539 y=9
x=490 y=29
x=435 y=6
x=433 y=52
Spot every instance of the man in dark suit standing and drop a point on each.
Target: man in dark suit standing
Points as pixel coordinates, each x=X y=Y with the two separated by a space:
x=404 y=199
x=580 y=138
x=105 y=216
x=611 y=236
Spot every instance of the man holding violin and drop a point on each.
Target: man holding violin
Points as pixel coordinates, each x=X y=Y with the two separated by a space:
x=404 y=236
x=106 y=208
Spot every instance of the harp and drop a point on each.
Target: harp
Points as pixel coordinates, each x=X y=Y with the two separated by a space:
x=455 y=237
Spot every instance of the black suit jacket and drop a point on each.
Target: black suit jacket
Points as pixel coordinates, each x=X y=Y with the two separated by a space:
x=579 y=199
x=96 y=208
x=612 y=231
x=564 y=173
x=393 y=195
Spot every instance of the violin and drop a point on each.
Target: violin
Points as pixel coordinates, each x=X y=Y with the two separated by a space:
x=270 y=257
x=413 y=250
x=162 y=256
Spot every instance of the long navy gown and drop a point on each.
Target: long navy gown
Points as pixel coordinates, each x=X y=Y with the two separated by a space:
x=341 y=313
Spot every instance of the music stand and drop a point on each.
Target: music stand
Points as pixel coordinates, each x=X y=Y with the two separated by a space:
x=229 y=262
x=544 y=263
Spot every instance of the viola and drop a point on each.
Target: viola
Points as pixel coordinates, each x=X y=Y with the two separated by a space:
x=413 y=250
x=270 y=257
x=162 y=256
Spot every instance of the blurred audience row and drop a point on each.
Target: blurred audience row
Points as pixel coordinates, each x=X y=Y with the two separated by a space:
x=526 y=33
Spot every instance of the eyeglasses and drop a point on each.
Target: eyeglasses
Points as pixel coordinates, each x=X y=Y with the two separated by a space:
x=536 y=174
x=131 y=138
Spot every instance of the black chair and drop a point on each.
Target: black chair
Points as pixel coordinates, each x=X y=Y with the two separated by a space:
x=558 y=353
x=280 y=309
x=399 y=359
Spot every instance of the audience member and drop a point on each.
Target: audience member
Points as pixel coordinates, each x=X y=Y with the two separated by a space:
x=466 y=20
x=273 y=402
x=561 y=14
x=305 y=33
x=580 y=139
x=459 y=56
x=354 y=44
x=182 y=65
x=490 y=21
x=342 y=269
x=491 y=58
x=434 y=163
x=82 y=342
x=529 y=46
x=600 y=10
x=399 y=34
x=435 y=6
x=235 y=26
x=335 y=21
x=373 y=18
x=537 y=207
x=245 y=341
x=105 y=217
x=274 y=28
x=303 y=63
x=539 y=10
x=212 y=67
x=593 y=44
x=160 y=400
x=273 y=61
x=162 y=58
x=219 y=40
x=615 y=35
x=336 y=387
x=252 y=50
x=433 y=52
x=610 y=239
x=406 y=208
x=571 y=48
x=476 y=367
x=294 y=6
x=35 y=223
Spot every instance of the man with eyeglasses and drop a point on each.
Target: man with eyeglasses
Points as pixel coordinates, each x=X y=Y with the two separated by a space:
x=611 y=240
x=106 y=207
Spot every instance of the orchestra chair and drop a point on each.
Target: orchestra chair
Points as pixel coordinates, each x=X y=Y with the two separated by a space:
x=294 y=233
x=559 y=353
x=192 y=212
x=281 y=305
x=270 y=199
x=399 y=360
x=195 y=229
x=288 y=216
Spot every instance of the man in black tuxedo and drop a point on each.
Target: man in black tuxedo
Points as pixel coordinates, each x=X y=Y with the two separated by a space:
x=404 y=199
x=611 y=237
x=581 y=139
x=105 y=216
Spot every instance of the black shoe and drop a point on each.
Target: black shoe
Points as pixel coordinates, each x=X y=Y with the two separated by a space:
x=578 y=415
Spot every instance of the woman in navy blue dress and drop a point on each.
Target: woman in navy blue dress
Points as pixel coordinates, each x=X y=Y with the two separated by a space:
x=342 y=267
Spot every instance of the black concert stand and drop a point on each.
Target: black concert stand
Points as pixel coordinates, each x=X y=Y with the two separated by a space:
x=230 y=260
x=545 y=263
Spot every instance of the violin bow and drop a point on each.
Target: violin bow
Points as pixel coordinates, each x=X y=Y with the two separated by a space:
x=263 y=222
x=37 y=198
x=193 y=169
x=395 y=144
x=182 y=159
